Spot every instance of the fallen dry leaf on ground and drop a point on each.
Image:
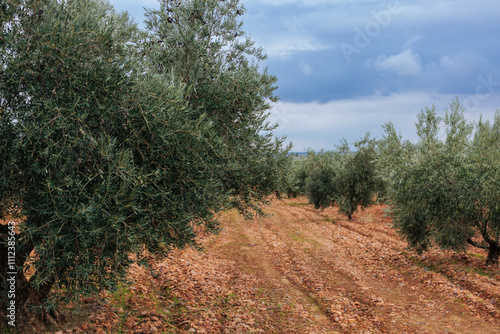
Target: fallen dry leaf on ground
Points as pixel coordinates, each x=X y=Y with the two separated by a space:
x=301 y=270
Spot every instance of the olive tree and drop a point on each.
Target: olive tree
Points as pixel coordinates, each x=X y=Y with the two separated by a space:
x=322 y=177
x=359 y=181
x=296 y=176
x=347 y=178
x=446 y=191
x=104 y=156
x=202 y=42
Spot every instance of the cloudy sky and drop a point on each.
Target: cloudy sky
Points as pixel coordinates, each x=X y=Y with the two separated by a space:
x=345 y=68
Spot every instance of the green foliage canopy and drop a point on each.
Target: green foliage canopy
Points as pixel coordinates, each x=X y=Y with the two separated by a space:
x=321 y=184
x=359 y=181
x=445 y=192
x=349 y=179
x=112 y=146
x=203 y=43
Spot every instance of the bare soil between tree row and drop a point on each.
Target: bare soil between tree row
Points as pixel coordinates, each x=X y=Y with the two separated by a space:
x=301 y=270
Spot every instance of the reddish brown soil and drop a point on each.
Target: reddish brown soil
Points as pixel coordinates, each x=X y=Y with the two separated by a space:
x=301 y=270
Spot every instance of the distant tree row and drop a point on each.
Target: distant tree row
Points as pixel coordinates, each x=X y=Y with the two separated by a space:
x=443 y=190
x=343 y=177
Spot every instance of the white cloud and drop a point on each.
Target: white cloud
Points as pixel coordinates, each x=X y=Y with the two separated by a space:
x=285 y=45
x=305 y=68
x=406 y=63
x=464 y=63
x=322 y=125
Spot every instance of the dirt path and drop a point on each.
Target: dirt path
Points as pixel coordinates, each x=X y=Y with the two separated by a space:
x=312 y=271
x=300 y=270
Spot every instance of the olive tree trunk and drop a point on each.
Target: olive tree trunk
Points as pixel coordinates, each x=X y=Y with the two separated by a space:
x=19 y=299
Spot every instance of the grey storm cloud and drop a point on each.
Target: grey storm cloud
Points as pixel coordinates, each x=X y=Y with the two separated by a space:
x=347 y=67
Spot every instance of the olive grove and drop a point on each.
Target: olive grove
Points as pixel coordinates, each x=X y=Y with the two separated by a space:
x=118 y=141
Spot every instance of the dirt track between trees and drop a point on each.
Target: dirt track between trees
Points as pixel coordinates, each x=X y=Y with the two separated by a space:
x=301 y=270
